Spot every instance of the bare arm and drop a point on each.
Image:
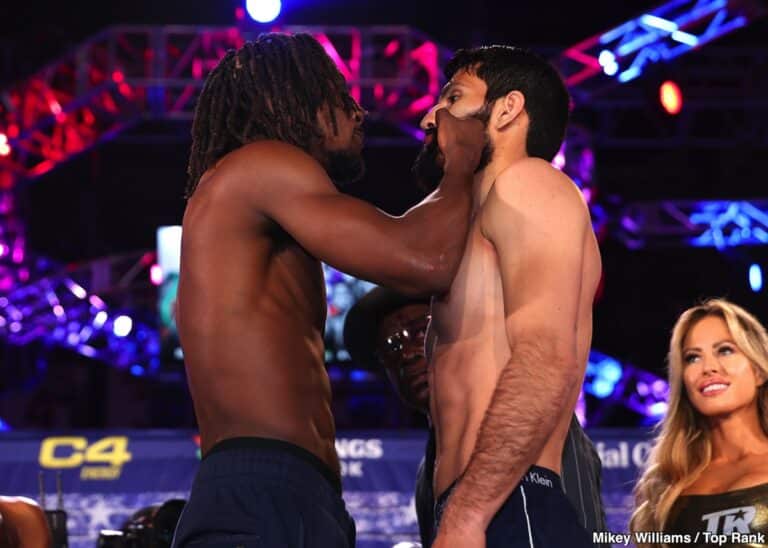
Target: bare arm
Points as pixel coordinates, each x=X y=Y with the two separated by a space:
x=537 y=224
x=25 y=523
x=417 y=253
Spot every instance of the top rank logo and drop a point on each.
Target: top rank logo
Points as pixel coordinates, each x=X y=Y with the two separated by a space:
x=730 y=520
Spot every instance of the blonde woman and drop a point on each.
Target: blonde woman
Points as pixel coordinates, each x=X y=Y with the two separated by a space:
x=708 y=471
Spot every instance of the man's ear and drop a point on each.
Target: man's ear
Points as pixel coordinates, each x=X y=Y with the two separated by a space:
x=509 y=109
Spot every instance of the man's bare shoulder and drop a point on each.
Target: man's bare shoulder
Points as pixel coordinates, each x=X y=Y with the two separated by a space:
x=256 y=170
x=533 y=191
x=534 y=180
x=272 y=159
x=271 y=151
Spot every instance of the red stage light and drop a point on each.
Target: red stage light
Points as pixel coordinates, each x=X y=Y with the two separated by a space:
x=5 y=148
x=671 y=97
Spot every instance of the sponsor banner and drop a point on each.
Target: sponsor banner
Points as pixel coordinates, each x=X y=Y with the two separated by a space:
x=106 y=476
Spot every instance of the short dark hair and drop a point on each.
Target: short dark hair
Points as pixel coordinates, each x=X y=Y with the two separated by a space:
x=271 y=88
x=508 y=68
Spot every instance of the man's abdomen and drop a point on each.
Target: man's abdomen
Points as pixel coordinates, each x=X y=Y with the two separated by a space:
x=265 y=389
x=463 y=383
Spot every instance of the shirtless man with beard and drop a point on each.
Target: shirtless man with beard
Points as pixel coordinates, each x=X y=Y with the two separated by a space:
x=509 y=342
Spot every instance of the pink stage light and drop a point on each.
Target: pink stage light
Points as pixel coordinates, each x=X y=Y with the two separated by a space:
x=55 y=107
x=426 y=56
x=392 y=48
x=421 y=104
x=17 y=256
x=559 y=159
x=156 y=274
x=118 y=77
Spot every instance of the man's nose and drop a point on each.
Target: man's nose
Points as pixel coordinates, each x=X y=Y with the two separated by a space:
x=428 y=122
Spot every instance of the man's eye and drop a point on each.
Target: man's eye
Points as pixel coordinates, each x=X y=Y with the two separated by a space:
x=453 y=98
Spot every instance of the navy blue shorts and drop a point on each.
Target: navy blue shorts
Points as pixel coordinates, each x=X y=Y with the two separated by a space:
x=536 y=514
x=264 y=493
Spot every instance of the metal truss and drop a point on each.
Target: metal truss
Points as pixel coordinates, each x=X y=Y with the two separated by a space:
x=719 y=224
x=130 y=73
x=621 y=54
x=725 y=105
x=52 y=305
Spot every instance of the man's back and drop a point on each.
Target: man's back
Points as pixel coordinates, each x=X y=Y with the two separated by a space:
x=251 y=317
x=470 y=343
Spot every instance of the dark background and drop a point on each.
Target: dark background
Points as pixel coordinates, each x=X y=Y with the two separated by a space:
x=112 y=198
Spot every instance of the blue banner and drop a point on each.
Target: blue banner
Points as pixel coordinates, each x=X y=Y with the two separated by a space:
x=107 y=476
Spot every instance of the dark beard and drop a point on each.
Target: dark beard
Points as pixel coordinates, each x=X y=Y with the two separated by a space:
x=344 y=167
x=428 y=167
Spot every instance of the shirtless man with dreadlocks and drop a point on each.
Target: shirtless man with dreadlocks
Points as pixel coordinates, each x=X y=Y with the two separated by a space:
x=275 y=134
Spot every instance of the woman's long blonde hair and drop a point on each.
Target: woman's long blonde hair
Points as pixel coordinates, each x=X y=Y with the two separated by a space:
x=683 y=448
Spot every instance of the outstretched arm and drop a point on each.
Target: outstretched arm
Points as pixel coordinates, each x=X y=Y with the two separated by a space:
x=417 y=253
x=536 y=221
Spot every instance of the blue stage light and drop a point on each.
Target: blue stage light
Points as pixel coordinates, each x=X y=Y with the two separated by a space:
x=360 y=375
x=137 y=370
x=755 y=277
x=610 y=370
x=657 y=409
x=602 y=388
x=263 y=11
x=122 y=326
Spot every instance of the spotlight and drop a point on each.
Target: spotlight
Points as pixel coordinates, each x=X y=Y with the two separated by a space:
x=755 y=278
x=156 y=274
x=671 y=97
x=607 y=60
x=263 y=11
x=5 y=148
x=100 y=320
x=122 y=326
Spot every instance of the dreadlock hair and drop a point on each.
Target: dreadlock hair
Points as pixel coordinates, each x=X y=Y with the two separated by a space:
x=508 y=68
x=271 y=88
